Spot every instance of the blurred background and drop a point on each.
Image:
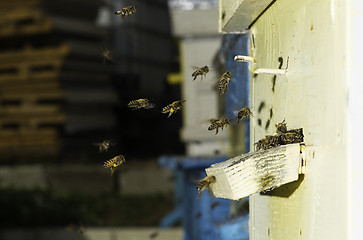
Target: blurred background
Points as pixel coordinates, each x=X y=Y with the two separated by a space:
x=68 y=69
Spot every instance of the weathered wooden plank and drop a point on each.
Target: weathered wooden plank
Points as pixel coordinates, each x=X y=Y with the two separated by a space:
x=237 y=16
x=255 y=172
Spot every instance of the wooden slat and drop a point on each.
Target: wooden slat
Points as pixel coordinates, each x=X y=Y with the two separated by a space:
x=32 y=121
x=29 y=63
x=23 y=21
x=255 y=172
x=29 y=54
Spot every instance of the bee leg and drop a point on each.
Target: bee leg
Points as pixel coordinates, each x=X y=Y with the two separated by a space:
x=216 y=131
x=227 y=89
x=200 y=194
x=170 y=113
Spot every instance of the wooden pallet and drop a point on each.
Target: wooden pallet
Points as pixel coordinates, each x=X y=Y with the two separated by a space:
x=30 y=64
x=31 y=103
x=24 y=21
x=31 y=142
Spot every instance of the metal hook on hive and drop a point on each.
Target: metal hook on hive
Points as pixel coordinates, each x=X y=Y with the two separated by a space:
x=255 y=70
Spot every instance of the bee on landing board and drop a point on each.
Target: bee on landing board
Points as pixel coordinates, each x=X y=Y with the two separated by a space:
x=244 y=113
x=173 y=107
x=104 y=146
x=205 y=183
x=292 y=136
x=126 y=11
x=114 y=163
x=140 y=103
x=281 y=127
x=202 y=71
x=218 y=123
x=224 y=81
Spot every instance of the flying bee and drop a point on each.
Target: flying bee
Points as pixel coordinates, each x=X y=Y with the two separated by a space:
x=140 y=103
x=202 y=71
x=218 y=123
x=114 y=163
x=106 y=55
x=173 y=107
x=205 y=183
x=104 y=146
x=126 y=11
x=244 y=112
x=281 y=127
x=292 y=136
x=224 y=81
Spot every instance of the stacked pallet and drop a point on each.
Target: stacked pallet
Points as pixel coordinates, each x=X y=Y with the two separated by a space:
x=53 y=82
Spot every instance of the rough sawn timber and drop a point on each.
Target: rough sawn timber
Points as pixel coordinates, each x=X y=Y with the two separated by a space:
x=255 y=172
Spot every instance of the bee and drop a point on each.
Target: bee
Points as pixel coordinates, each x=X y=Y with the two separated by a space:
x=224 y=81
x=292 y=136
x=281 y=128
x=200 y=72
x=153 y=235
x=218 y=123
x=244 y=112
x=261 y=144
x=268 y=142
x=173 y=107
x=215 y=204
x=104 y=146
x=205 y=183
x=106 y=55
x=140 y=103
x=273 y=141
x=125 y=11
x=114 y=163
x=76 y=228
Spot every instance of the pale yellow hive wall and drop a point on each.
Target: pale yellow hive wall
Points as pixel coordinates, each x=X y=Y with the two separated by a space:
x=313 y=95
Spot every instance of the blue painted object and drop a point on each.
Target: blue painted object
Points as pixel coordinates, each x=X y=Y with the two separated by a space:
x=234 y=229
x=199 y=216
x=238 y=89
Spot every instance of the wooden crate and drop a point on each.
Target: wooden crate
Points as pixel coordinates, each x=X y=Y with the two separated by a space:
x=30 y=64
x=31 y=142
x=24 y=21
x=31 y=103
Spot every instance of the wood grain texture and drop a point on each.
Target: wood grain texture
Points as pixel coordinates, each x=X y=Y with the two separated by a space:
x=255 y=172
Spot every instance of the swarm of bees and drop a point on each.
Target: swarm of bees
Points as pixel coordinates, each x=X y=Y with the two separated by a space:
x=140 y=103
x=205 y=183
x=126 y=11
x=282 y=137
x=173 y=107
x=202 y=71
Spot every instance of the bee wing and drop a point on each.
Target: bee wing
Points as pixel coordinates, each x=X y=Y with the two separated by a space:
x=195 y=67
x=150 y=106
x=235 y=113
